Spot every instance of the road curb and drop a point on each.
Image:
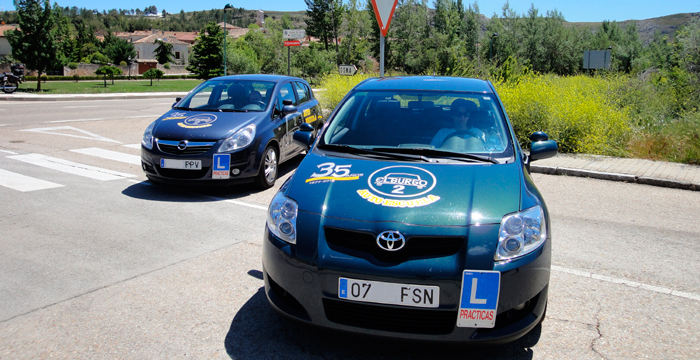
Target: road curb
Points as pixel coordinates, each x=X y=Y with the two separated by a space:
x=78 y=97
x=645 y=180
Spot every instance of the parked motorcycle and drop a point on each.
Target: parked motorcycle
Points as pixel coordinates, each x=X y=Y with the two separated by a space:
x=11 y=81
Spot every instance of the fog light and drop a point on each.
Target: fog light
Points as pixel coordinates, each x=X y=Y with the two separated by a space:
x=235 y=171
x=521 y=306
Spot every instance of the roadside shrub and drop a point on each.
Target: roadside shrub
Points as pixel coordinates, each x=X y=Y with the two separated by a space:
x=677 y=141
x=166 y=66
x=334 y=87
x=577 y=112
x=72 y=65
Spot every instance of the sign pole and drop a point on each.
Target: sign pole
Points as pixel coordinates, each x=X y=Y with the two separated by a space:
x=384 y=11
x=381 y=55
x=289 y=61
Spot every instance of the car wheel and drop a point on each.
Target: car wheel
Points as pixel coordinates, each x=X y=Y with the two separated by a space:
x=268 y=169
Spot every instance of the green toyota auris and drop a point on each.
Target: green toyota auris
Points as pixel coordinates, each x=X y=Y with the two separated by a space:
x=413 y=215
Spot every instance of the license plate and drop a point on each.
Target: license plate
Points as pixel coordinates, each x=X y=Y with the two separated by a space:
x=389 y=293
x=181 y=164
x=479 y=300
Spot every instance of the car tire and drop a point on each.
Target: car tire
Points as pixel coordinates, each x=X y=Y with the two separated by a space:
x=269 y=165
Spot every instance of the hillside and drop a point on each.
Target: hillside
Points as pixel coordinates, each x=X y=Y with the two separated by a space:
x=666 y=25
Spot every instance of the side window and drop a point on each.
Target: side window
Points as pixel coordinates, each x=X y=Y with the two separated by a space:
x=286 y=92
x=302 y=92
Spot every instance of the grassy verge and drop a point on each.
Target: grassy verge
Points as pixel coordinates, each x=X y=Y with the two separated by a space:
x=97 y=87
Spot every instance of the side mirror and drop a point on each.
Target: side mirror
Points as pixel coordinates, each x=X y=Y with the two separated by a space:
x=304 y=137
x=177 y=100
x=288 y=108
x=541 y=147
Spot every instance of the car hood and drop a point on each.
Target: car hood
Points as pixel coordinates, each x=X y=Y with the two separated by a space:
x=413 y=193
x=193 y=125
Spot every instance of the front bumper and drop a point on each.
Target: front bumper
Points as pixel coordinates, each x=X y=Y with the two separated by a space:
x=307 y=292
x=243 y=161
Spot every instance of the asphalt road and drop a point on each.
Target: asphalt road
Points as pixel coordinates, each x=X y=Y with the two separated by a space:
x=104 y=265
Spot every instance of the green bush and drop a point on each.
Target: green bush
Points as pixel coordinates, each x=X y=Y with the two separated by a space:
x=72 y=65
x=166 y=66
x=334 y=87
x=577 y=112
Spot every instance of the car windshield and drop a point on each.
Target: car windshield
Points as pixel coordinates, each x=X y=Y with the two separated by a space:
x=431 y=123
x=229 y=95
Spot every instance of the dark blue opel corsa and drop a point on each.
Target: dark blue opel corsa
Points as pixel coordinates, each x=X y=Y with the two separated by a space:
x=413 y=215
x=228 y=130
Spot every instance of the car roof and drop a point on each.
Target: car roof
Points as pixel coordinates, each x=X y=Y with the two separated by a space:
x=258 y=77
x=437 y=83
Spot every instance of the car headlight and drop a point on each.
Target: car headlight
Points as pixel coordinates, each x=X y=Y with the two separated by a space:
x=147 y=140
x=521 y=233
x=239 y=139
x=282 y=218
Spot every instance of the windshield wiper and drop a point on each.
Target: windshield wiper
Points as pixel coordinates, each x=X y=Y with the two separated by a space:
x=354 y=150
x=439 y=153
x=182 y=108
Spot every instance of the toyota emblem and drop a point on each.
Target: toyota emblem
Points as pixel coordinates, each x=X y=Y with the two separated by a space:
x=391 y=240
x=182 y=145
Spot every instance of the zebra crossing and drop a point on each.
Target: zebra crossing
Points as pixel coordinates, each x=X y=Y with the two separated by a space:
x=25 y=183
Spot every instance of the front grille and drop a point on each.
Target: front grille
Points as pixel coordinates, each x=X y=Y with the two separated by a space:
x=193 y=148
x=389 y=318
x=183 y=174
x=361 y=243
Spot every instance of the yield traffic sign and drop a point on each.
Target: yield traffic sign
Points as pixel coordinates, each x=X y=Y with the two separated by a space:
x=384 y=10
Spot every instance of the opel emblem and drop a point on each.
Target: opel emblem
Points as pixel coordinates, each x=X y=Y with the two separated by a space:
x=182 y=145
x=391 y=240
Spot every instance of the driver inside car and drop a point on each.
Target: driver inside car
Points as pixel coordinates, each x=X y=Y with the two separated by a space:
x=460 y=112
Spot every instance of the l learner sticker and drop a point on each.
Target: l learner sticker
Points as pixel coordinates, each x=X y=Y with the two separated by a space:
x=479 y=299
x=221 y=166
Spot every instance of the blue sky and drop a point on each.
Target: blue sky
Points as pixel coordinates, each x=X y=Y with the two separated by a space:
x=575 y=11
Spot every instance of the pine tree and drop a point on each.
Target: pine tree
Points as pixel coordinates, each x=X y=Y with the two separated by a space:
x=207 y=59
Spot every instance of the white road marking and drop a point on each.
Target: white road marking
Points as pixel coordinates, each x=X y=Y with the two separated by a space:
x=629 y=283
x=24 y=183
x=82 y=106
x=9 y=152
x=74 y=120
x=86 y=134
x=110 y=155
x=142 y=116
x=133 y=146
x=259 y=207
x=5 y=124
x=71 y=167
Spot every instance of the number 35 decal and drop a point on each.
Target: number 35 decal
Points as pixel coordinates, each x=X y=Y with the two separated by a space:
x=331 y=169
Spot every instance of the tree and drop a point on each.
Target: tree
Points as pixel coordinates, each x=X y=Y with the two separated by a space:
x=163 y=52
x=153 y=74
x=109 y=70
x=118 y=49
x=323 y=19
x=34 y=45
x=206 y=60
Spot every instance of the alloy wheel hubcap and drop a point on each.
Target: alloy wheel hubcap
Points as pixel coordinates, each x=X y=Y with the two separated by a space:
x=270 y=165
